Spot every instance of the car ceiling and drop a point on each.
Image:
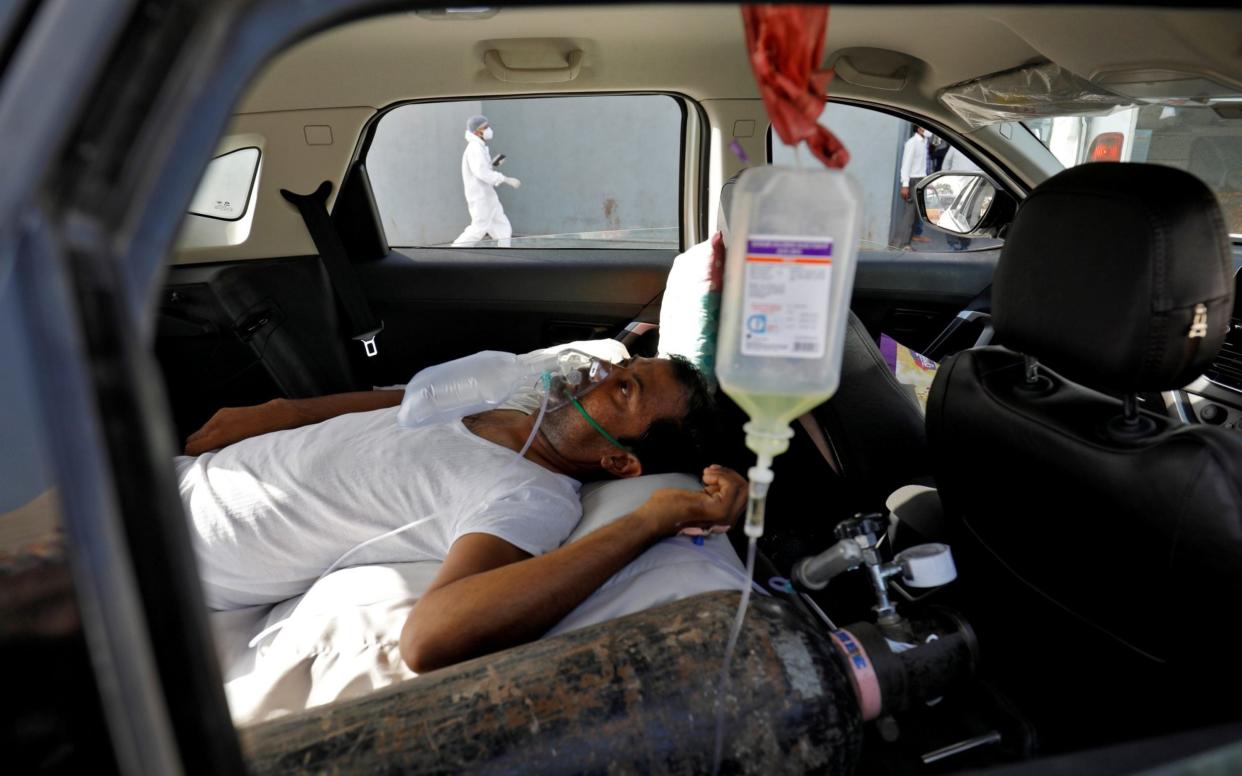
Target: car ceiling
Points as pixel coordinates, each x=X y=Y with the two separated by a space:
x=699 y=51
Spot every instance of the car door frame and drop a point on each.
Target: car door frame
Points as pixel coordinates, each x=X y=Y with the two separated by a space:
x=98 y=174
x=110 y=111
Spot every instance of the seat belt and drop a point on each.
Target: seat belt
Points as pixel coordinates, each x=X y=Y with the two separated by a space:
x=633 y=331
x=362 y=323
x=822 y=443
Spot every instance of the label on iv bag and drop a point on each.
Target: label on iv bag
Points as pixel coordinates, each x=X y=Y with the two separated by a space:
x=785 y=305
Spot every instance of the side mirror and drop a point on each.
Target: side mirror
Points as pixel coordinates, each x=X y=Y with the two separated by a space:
x=966 y=204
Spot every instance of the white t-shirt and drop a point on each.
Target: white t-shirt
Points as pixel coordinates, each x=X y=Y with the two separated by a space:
x=913 y=159
x=272 y=513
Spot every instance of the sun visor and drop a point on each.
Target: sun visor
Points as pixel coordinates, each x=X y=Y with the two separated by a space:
x=1036 y=91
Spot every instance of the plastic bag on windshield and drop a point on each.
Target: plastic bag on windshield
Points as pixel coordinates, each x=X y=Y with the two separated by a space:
x=1030 y=92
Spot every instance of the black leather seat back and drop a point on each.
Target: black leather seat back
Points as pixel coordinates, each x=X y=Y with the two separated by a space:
x=1123 y=537
x=874 y=423
x=1089 y=550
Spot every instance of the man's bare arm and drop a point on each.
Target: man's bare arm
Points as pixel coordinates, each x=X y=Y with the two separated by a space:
x=233 y=424
x=489 y=595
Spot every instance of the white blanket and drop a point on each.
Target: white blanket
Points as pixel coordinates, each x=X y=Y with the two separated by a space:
x=340 y=639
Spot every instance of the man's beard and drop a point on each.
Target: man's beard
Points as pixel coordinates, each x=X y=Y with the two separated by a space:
x=556 y=430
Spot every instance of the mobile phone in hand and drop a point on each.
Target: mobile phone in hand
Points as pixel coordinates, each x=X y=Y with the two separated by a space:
x=499 y=160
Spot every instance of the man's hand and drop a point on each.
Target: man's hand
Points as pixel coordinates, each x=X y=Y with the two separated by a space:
x=719 y=504
x=233 y=424
x=514 y=182
x=905 y=193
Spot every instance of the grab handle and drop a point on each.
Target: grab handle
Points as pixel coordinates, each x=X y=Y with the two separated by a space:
x=533 y=75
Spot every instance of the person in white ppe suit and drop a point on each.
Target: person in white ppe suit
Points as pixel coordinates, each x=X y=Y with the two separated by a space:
x=479 y=179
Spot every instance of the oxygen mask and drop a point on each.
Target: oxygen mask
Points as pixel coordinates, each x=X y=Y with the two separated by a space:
x=489 y=379
x=574 y=376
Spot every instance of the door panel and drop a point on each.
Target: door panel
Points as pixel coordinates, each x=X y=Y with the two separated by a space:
x=249 y=331
x=243 y=333
x=913 y=297
x=441 y=304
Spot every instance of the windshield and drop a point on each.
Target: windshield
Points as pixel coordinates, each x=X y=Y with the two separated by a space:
x=1197 y=139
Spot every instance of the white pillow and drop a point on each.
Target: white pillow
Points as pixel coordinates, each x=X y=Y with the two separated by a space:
x=672 y=569
x=690 y=308
x=340 y=639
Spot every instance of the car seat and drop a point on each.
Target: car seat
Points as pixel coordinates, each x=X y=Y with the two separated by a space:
x=1098 y=545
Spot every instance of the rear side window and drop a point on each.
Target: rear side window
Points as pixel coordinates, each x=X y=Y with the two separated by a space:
x=591 y=172
x=224 y=192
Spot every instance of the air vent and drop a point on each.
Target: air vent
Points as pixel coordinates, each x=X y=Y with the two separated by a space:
x=1227 y=368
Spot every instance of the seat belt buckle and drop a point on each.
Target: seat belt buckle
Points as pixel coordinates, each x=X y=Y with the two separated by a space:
x=368 y=341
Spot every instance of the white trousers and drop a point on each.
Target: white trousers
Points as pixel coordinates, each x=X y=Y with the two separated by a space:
x=496 y=224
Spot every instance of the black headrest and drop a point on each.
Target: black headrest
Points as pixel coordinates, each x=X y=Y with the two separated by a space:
x=1106 y=272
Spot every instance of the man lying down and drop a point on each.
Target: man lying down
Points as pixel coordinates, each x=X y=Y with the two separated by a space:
x=270 y=512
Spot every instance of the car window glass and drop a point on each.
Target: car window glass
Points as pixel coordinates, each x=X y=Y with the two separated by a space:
x=1195 y=138
x=594 y=171
x=224 y=192
x=877 y=143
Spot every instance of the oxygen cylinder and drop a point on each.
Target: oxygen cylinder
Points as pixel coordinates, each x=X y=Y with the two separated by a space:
x=634 y=695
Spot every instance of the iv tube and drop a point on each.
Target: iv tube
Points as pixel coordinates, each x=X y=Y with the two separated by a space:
x=722 y=685
x=766 y=443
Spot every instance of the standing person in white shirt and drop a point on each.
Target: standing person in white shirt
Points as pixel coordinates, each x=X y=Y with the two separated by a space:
x=480 y=178
x=913 y=168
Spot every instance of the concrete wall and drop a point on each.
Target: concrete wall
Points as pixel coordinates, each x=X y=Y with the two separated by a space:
x=589 y=163
x=415 y=169
x=586 y=164
x=874 y=141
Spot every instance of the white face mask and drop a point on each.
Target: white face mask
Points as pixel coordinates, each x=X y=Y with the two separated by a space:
x=487 y=133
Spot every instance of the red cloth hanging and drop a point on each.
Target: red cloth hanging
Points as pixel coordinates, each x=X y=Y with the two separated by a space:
x=786 y=45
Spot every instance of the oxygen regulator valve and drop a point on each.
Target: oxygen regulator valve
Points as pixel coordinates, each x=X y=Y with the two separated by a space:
x=894 y=664
x=858 y=539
